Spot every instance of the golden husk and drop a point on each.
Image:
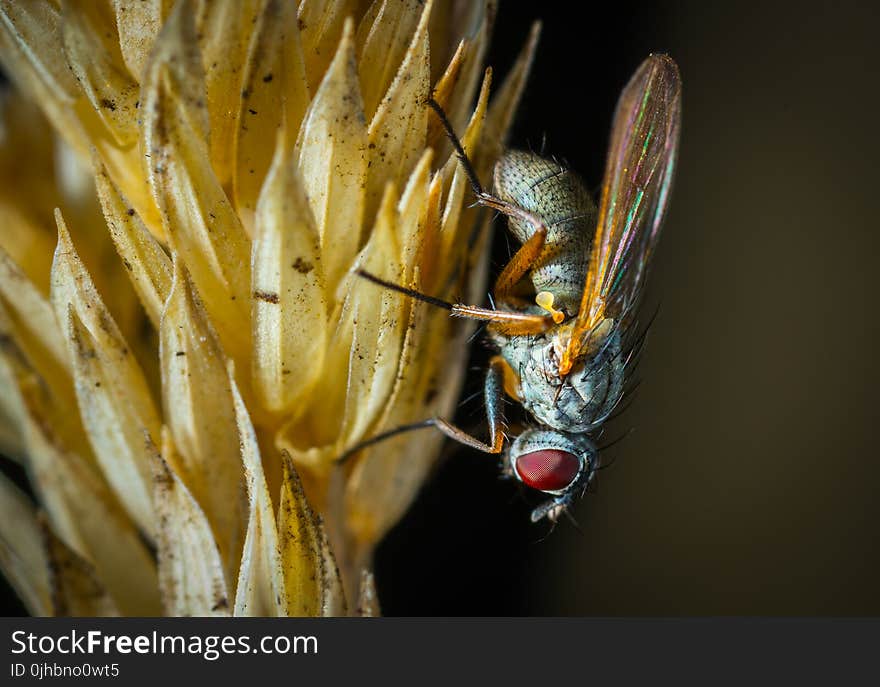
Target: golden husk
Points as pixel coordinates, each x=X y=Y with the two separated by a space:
x=182 y=373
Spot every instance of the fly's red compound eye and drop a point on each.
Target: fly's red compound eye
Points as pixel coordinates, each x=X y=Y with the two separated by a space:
x=548 y=470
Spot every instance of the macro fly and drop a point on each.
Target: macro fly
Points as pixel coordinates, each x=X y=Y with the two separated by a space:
x=563 y=316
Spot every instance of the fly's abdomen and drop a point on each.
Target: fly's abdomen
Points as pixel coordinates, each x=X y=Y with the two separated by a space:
x=558 y=196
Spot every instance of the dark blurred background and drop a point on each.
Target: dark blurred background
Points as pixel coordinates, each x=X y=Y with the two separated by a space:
x=750 y=483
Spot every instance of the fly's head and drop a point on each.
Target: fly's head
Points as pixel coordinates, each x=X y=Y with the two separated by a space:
x=557 y=463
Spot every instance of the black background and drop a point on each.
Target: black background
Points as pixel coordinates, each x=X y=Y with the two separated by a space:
x=750 y=483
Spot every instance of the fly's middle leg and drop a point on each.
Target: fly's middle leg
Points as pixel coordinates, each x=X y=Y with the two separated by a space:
x=507 y=322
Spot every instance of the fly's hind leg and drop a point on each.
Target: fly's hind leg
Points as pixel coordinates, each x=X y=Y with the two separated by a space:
x=497 y=380
x=483 y=198
x=520 y=264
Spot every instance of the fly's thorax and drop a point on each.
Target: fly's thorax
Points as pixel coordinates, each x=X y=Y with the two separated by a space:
x=552 y=462
x=559 y=197
x=589 y=392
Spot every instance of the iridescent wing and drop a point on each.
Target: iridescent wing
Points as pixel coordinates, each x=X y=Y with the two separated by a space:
x=635 y=192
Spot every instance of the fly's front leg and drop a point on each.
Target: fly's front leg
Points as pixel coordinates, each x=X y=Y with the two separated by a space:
x=493 y=398
x=499 y=377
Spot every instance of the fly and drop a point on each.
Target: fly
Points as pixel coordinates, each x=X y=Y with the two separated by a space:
x=563 y=320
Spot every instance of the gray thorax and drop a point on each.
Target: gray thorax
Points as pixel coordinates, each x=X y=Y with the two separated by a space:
x=589 y=393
